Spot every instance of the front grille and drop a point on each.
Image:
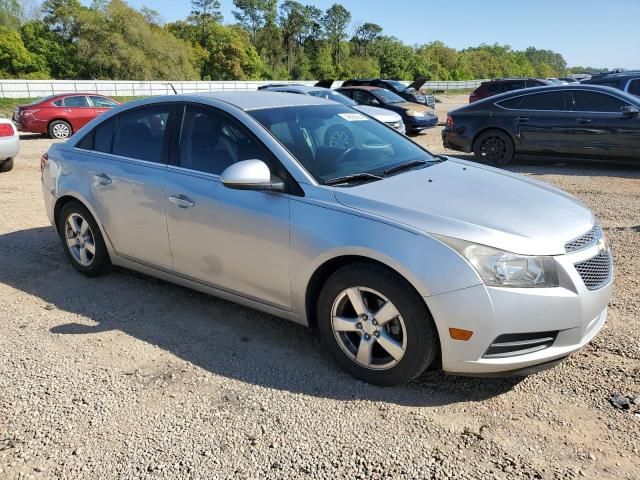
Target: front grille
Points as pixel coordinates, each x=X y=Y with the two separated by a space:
x=596 y=271
x=584 y=241
x=512 y=344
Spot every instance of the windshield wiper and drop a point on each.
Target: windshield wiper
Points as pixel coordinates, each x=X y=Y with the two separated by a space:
x=353 y=178
x=441 y=158
x=404 y=166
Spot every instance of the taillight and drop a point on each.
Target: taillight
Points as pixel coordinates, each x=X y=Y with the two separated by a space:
x=449 y=122
x=6 y=130
x=43 y=161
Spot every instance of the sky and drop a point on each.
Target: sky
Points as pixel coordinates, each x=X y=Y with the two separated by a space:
x=594 y=33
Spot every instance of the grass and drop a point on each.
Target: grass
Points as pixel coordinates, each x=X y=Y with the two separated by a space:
x=8 y=105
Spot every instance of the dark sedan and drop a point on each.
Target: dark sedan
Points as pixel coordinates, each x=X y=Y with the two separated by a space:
x=586 y=122
x=416 y=117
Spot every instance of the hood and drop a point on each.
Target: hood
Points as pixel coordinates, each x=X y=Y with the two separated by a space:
x=478 y=204
x=418 y=107
x=417 y=85
x=380 y=114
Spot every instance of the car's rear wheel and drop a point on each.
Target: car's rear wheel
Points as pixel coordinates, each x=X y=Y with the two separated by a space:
x=6 y=165
x=82 y=241
x=375 y=325
x=494 y=147
x=60 y=129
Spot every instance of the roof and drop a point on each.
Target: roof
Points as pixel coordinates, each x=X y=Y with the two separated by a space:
x=360 y=87
x=292 y=88
x=262 y=99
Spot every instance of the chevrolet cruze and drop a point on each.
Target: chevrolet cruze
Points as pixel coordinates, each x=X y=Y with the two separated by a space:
x=400 y=258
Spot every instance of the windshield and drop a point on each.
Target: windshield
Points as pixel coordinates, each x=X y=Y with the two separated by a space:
x=331 y=95
x=399 y=86
x=333 y=141
x=388 y=96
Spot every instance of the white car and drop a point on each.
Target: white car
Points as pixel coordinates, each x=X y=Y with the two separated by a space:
x=9 y=144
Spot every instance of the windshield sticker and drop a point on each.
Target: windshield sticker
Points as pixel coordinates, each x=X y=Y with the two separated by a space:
x=353 y=117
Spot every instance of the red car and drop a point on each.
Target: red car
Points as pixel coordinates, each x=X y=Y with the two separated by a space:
x=59 y=116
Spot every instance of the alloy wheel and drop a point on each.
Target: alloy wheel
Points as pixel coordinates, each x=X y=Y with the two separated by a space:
x=369 y=328
x=494 y=149
x=80 y=239
x=61 y=130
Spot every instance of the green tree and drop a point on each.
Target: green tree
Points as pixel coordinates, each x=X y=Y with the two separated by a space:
x=55 y=56
x=294 y=24
x=15 y=59
x=363 y=36
x=231 y=55
x=204 y=13
x=334 y=22
x=251 y=15
x=10 y=14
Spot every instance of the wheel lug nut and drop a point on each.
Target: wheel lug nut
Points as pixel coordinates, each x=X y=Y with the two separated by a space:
x=367 y=336
x=376 y=333
x=374 y=321
x=364 y=317
x=359 y=326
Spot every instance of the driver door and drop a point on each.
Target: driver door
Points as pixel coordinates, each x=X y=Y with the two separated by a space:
x=233 y=240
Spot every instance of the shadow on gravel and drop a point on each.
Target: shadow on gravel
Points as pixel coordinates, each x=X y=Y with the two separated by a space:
x=216 y=335
x=554 y=166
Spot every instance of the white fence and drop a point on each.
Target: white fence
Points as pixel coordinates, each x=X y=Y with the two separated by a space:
x=41 y=88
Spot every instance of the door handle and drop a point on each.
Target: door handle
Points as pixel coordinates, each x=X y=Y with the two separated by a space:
x=583 y=121
x=102 y=179
x=523 y=119
x=181 y=201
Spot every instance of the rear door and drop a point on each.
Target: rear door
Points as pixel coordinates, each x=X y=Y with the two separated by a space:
x=601 y=130
x=542 y=123
x=78 y=110
x=127 y=171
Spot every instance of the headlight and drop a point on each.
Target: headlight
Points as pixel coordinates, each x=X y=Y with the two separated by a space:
x=415 y=113
x=498 y=268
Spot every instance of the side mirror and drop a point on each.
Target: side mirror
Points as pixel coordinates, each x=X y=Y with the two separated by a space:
x=251 y=175
x=630 y=111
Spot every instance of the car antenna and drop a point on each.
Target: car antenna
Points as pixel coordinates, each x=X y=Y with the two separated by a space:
x=172 y=87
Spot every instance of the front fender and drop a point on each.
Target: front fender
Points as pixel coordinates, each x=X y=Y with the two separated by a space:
x=320 y=233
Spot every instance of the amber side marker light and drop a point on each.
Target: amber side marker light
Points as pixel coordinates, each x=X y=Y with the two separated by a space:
x=460 y=334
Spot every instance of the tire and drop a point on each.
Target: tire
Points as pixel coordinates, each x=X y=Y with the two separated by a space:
x=411 y=334
x=6 y=165
x=74 y=218
x=339 y=137
x=59 y=129
x=494 y=147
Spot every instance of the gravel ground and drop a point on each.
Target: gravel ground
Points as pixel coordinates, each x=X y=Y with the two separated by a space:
x=129 y=377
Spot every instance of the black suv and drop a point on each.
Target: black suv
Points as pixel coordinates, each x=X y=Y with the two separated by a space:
x=628 y=81
x=503 y=85
x=409 y=93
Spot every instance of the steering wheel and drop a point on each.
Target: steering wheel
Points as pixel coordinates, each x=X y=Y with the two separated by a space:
x=344 y=155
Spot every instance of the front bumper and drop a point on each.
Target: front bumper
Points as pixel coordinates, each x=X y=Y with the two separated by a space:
x=574 y=312
x=414 y=124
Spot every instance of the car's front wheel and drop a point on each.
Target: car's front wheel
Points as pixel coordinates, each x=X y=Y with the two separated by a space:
x=82 y=241
x=60 y=129
x=375 y=325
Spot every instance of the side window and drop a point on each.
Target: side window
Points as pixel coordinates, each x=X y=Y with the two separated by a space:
x=364 y=98
x=543 y=101
x=77 y=101
x=102 y=102
x=516 y=85
x=595 y=102
x=348 y=93
x=512 y=103
x=494 y=87
x=104 y=136
x=634 y=87
x=211 y=141
x=140 y=133
x=58 y=103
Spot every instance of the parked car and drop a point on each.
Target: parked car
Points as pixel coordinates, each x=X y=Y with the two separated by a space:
x=568 y=79
x=410 y=93
x=502 y=85
x=628 y=81
x=557 y=81
x=59 y=116
x=415 y=117
x=341 y=136
x=580 y=121
x=9 y=144
x=401 y=258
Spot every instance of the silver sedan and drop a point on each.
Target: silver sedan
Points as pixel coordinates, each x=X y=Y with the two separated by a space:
x=401 y=258
x=9 y=144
